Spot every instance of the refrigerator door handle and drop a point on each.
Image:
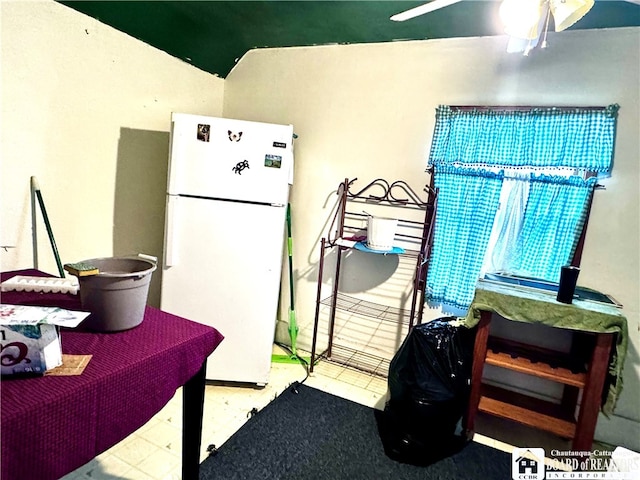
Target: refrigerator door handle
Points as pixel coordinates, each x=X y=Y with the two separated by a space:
x=169 y=233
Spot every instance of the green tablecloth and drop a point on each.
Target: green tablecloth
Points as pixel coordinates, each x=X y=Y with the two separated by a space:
x=536 y=306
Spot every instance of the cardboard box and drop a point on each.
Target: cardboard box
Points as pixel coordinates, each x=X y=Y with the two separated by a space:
x=29 y=337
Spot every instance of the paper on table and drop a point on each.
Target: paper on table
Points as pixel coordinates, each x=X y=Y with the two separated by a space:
x=32 y=315
x=71 y=365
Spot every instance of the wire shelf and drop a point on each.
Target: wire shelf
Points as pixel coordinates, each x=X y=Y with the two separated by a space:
x=358 y=360
x=349 y=304
x=369 y=340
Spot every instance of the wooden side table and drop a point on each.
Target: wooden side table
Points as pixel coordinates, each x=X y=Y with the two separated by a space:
x=593 y=366
x=560 y=418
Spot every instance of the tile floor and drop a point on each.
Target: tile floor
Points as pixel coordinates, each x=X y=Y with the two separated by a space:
x=154 y=451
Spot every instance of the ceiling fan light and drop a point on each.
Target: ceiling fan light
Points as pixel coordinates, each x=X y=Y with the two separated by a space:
x=521 y=45
x=521 y=18
x=567 y=12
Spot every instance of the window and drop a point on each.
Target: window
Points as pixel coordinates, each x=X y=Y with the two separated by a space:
x=539 y=220
x=512 y=194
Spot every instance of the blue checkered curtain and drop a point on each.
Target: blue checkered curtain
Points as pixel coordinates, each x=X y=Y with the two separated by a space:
x=553 y=219
x=580 y=138
x=467 y=204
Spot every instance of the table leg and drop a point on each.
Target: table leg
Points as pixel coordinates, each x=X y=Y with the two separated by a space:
x=479 y=354
x=592 y=394
x=192 y=408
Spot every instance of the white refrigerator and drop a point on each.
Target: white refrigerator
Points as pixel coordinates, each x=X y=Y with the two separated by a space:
x=228 y=187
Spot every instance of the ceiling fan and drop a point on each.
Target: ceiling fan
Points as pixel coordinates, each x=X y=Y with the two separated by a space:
x=524 y=20
x=422 y=9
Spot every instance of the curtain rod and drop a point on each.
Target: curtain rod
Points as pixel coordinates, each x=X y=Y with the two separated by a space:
x=522 y=108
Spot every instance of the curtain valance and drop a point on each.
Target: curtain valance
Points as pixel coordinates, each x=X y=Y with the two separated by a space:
x=579 y=138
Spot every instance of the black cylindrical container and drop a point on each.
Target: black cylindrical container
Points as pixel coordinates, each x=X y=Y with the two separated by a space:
x=568 y=280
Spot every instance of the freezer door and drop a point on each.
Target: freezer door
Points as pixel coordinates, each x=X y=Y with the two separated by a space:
x=233 y=159
x=226 y=268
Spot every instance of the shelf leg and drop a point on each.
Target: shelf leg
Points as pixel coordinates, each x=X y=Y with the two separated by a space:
x=479 y=355
x=318 y=298
x=421 y=295
x=415 y=294
x=332 y=314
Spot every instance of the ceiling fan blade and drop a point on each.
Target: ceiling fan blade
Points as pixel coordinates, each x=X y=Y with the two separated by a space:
x=422 y=9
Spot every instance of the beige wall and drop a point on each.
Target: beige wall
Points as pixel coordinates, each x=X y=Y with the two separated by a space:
x=367 y=111
x=86 y=109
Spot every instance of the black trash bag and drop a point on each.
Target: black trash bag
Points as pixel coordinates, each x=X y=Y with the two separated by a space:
x=429 y=384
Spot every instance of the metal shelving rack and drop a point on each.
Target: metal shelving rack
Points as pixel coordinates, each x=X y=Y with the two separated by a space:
x=347 y=224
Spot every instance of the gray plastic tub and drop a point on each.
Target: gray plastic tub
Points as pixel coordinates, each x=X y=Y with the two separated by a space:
x=117 y=296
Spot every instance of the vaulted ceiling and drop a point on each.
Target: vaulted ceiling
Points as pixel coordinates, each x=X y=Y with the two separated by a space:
x=213 y=35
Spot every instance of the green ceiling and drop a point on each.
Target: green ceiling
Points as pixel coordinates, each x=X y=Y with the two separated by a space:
x=212 y=35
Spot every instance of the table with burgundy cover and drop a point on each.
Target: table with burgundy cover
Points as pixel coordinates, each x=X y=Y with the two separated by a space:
x=51 y=425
